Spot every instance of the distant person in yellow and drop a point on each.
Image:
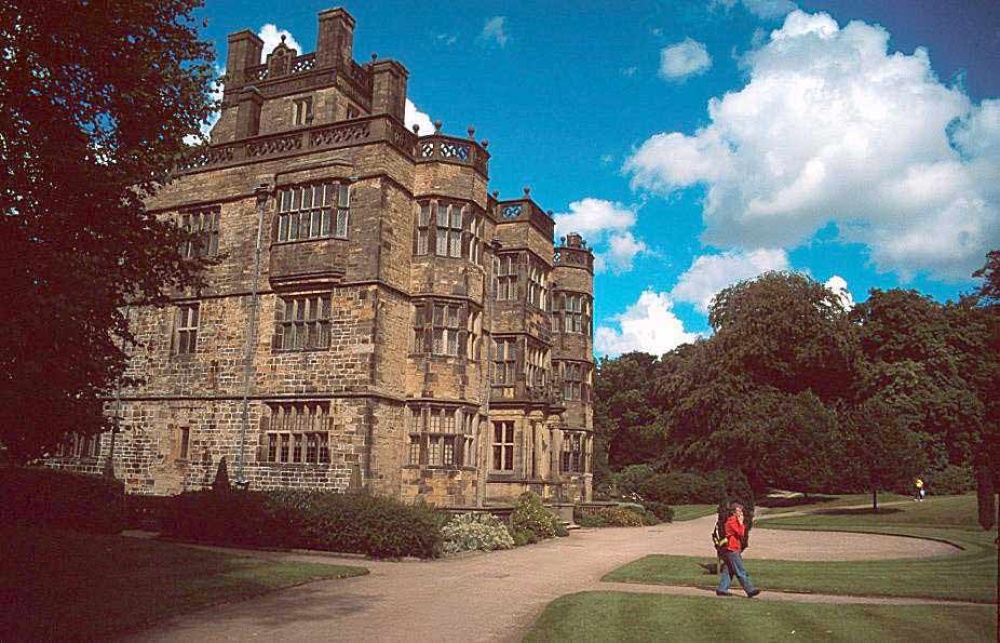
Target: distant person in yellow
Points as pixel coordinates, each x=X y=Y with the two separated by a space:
x=918 y=495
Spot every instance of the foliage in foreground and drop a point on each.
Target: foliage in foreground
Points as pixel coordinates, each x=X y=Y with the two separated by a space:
x=61 y=585
x=471 y=531
x=621 y=616
x=618 y=516
x=531 y=522
x=97 y=99
x=61 y=499
x=356 y=523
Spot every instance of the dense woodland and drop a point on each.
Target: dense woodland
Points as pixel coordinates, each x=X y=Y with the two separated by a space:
x=794 y=390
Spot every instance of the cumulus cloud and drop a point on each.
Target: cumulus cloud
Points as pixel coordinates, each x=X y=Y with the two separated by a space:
x=834 y=128
x=648 y=325
x=684 y=59
x=606 y=226
x=709 y=274
x=271 y=36
x=765 y=9
x=622 y=250
x=838 y=286
x=593 y=218
x=413 y=116
x=495 y=30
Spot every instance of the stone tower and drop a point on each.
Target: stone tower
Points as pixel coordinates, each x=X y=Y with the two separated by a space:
x=373 y=315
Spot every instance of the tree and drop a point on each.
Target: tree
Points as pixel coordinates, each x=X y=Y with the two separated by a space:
x=95 y=101
x=788 y=331
x=880 y=451
x=624 y=413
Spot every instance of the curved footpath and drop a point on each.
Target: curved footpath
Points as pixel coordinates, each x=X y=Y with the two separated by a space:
x=497 y=596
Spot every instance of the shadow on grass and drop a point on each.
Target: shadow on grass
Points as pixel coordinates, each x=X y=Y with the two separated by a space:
x=858 y=511
x=797 y=501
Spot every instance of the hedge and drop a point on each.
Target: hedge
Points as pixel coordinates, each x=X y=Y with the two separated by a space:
x=351 y=523
x=54 y=498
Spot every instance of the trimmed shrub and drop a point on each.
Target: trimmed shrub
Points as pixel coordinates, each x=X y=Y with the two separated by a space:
x=531 y=521
x=951 y=481
x=619 y=516
x=352 y=523
x=681 y=487
x=471 y=531
x=54 y=498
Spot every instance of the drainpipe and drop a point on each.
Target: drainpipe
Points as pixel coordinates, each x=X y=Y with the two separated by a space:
x=261 y=193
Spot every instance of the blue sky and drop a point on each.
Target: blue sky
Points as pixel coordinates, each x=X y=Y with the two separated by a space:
x=695 y=144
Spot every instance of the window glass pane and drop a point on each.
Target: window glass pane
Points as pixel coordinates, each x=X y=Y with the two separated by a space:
x=342 y=224
x=286 y=201
x=295 y=199
x=425 y=214
x=345 y=196
x=326 y=223
x=456 y=217
x=307 y=197
x=442 y=216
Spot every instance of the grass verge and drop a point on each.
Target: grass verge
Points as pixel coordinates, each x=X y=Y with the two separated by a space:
x=619 y=616
x=61 y=585
x=969 y=575
x=690 y=512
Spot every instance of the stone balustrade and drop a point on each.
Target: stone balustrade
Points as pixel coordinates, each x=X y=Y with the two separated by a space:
x=359 y=131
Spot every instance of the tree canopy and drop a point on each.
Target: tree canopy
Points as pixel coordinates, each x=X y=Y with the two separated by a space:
x=95 y=101
x=796 y=391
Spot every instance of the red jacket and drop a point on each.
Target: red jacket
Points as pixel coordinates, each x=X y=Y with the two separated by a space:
x=735 y=531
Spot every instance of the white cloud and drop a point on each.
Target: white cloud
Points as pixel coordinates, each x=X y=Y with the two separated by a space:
x=838 y=286
x=832 y=128
x=709 y=274
x=765 y=9
x=413 y=116
x=769 y=9
x=271 y=36
x=495 y=30
x=622 y=251
x=684 y=59
x=592 y=218
x=648 y=325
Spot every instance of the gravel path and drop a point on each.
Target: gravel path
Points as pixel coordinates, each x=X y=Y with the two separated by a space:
x=497 y=596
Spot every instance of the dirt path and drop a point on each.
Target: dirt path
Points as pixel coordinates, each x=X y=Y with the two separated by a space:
x=496 y=596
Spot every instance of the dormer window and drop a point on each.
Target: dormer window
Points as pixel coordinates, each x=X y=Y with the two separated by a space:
x=302 y=113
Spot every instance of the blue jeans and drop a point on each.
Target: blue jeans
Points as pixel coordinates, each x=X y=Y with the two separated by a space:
x=733 y=562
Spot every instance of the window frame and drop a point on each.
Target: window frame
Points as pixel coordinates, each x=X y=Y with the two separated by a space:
x=312 y=211
x=311 y=318
x=502 y=442
x=299 y=437
x=187 y=320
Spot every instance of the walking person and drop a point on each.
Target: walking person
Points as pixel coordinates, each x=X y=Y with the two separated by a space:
x=735 y=533
x=918 y=494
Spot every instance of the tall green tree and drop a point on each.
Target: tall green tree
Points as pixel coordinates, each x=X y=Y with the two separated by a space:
x=95 y=101
x=788 y=331
x=625 y=415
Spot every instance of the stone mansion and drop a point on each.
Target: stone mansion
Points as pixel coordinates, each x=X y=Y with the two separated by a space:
x=374 y=316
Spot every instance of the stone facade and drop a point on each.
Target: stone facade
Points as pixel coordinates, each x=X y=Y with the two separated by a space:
x=406 y=330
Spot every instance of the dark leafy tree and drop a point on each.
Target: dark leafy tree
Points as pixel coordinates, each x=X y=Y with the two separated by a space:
x=787 y=331
x=95 y=101
x=625 y=416
x=880 y=451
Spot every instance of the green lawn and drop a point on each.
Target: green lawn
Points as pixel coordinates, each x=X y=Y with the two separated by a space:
x=57 y=585
x=822 y=501
x=690 y=512
x=619 y=616
x=969 y=575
